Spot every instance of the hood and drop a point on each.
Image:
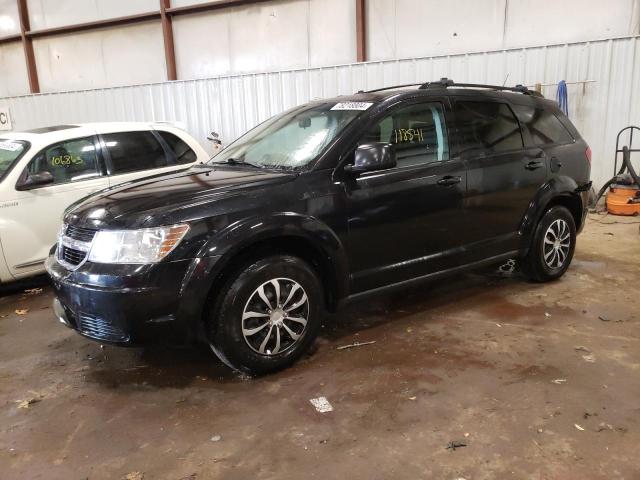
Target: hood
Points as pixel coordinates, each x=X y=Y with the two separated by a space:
x=150 y=201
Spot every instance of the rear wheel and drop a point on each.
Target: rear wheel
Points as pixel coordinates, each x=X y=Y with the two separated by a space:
x=553 y=245
x=268 y=316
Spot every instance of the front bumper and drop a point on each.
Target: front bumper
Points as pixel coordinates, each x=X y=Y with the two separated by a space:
x=133 y=304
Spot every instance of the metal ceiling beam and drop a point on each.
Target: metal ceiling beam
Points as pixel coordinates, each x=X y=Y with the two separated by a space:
x=361 y=32
x=167 y=35
x=81 y=27
x=10 y=38
x=208 y=6
x=27 y=45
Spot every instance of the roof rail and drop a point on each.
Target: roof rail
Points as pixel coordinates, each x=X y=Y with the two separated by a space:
x=391 y=88
x=447 y=82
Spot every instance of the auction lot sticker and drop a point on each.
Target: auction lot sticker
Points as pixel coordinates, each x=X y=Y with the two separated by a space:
x=10 y=146
x=351 y=106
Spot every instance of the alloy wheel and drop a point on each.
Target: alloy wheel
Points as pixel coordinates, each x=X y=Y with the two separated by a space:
x=557 y=242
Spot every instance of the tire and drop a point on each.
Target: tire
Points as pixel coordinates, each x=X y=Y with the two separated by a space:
x=548 y=261
x=248 y=338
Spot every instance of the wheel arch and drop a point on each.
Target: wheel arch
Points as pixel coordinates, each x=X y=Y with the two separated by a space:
x=558 y=191
x=291 y=234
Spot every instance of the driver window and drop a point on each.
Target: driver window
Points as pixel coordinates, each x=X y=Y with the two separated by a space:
x=68 y=161
x=418 y=133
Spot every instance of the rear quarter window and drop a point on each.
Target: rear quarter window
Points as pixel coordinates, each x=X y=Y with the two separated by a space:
x=487 y=127
x=182 y=152
x=544 y=127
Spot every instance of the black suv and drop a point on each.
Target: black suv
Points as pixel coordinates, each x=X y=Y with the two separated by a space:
x=327 y=202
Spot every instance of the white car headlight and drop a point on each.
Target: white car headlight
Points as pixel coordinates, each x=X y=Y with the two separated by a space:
x=147 y=245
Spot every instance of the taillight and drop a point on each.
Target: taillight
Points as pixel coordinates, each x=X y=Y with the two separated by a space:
x=587 y=153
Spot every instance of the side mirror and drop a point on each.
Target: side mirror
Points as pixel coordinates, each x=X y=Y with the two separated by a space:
x=370 y=157
x=33 y=180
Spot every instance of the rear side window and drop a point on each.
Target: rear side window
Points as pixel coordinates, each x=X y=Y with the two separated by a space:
x=544 y=126
x=180 y=149
x=418 y=133
x=134 y=151
x=69 y=161
x=487 y=127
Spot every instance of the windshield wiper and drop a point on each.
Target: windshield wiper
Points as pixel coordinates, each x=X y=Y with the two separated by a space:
x=233 y=161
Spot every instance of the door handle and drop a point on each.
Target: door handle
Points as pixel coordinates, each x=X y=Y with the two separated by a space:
x=449 y=180
x=534 y=165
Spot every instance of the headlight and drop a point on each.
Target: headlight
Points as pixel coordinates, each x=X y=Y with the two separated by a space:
x=148 y=245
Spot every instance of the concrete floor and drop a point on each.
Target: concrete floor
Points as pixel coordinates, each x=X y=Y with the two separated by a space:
x=540 y=381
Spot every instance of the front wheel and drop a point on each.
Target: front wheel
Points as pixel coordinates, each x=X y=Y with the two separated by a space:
x=553 y=245
x=268 y=316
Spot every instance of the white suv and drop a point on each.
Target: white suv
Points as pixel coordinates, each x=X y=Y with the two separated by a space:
x=45 y=170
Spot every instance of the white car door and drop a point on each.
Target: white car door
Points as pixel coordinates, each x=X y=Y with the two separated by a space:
x=33 y=223
x=135 y=154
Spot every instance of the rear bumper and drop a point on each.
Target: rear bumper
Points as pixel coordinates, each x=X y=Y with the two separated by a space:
x=584 y=197
x=133 y=304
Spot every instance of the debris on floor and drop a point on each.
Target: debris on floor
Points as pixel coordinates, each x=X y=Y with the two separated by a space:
x=607 y=319
x=588 y=357
x=134 y=476
x=216 y=438
x=321 y=404
x=33 y=291
x=357 y=344
x=602 y=426
x=559 y=381
x=454 y=444
x=27 y=402
x=578 y=427
x=22 y=311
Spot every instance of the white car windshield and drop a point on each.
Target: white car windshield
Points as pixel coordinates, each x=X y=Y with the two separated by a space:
x=10 y=152
x=290 y=140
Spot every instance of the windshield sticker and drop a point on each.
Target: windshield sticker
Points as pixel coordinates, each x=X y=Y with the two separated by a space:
x=10 y=147
x=351 y=106
x=408 y=135
x=66 y=160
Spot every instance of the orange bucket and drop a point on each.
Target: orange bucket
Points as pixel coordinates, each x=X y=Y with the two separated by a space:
x=618 y=201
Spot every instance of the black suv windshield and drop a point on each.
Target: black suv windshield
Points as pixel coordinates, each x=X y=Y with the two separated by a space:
x=292 y=139
x=10 y=152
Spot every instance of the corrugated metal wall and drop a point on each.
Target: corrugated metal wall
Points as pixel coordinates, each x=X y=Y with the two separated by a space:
x=233 y=104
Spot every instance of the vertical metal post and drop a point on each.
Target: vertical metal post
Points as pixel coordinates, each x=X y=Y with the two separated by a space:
x=361 y=31
x=27 y=45
x=167 y=34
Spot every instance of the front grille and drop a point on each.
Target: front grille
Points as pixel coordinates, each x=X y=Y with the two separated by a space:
x=72 y=256
x=79 y=233
x=100 y=329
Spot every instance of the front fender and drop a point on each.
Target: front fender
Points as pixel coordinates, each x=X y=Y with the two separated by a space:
x=241 y=235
